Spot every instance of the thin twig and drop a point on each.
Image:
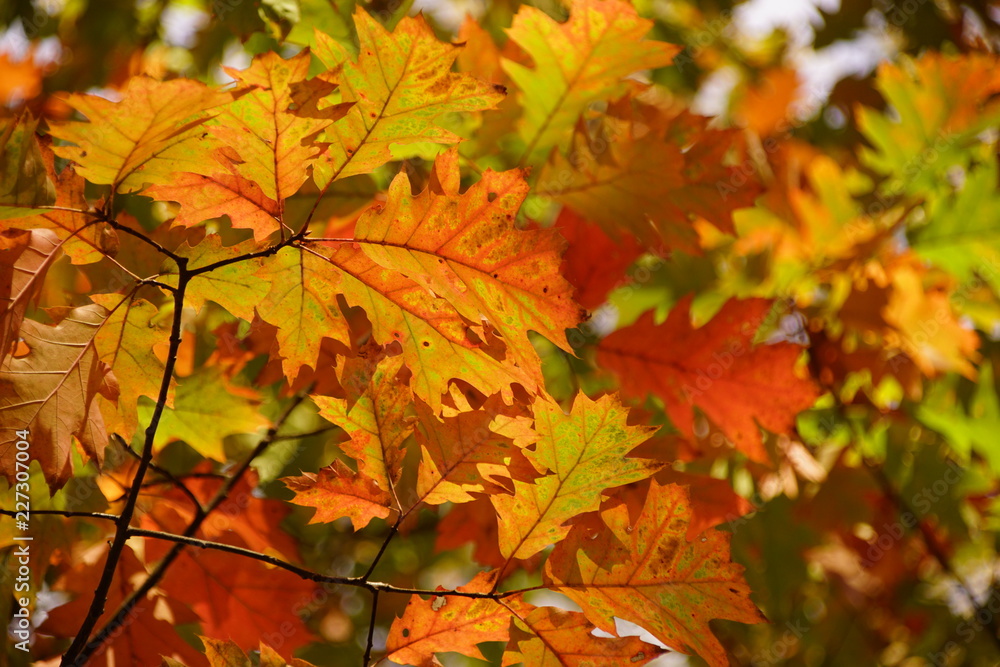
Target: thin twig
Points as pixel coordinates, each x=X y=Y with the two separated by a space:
x=371 y=631
x=169 y=476
x=145 y=239
x=267 y=252
x=385 y=545
x=309 y=575
x=67 y=513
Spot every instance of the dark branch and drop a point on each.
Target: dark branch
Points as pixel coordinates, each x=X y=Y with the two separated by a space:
x=161 y=568
x=80 y=650
x=67 y=513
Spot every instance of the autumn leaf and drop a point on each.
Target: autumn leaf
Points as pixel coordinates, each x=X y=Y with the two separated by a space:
x=207 y=409
x=713 y=501
x=941 y=101
x=25 y=256
x=585 y=453
x=51 y=392
x=24 y=182
x=236 y=286
x=645 y=173
x=400 y=85
x=337 y=491
x=246 y=517
x=716 y=368
x=126 y=342
x=155 y=131
x=228 y=654
x=594 y=263
x=551 y=637
x=377 y=422
x=766 y=107
x=583 y=60
x=448 y=624
x=461 y=455
x=302 y=304
x=248 y=603
x=649 y=574
x=83 y=239
x=465 y=249
x=206 y=197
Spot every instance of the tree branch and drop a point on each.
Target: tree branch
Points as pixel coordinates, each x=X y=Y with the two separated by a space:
x=267 y=252
x=371 y=631
x=309 y=575
x=161 y=568
x=79 y=651
x=68 y=513
x=180 y=261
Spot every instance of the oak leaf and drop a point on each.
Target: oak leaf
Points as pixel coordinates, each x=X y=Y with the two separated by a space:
x=51 y=392
x=376 y=421
x=400 y=85
x=25 y=256
x=448 y=624
x=464 y=454
x=229 y=654
x=585 y=453
x=155 y=131
x=465 y=248
x=594 y=263
x=583 y=60
x=24 y=179
x=649 y=574
x=207 y=408
x=126 y=342
x=337 y=491
x=302 y=304
x=149 y=632
x=550 y=637
x=715 y=368
x=248 y=603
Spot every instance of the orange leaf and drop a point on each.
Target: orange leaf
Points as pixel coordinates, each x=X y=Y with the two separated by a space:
x=586 y=453
x=648 y=573
x=713 y=501
x=448 y=624
x=550 y=637
x=228 y=654
x=594 y=263
x=25 y=256
x=155 y=131
x=376 y=421
x=51 y=392
x=462 y=455
x=400 y=84
x=241 y=599
x=337 y=491
x=466 y=249
x=714 y=368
